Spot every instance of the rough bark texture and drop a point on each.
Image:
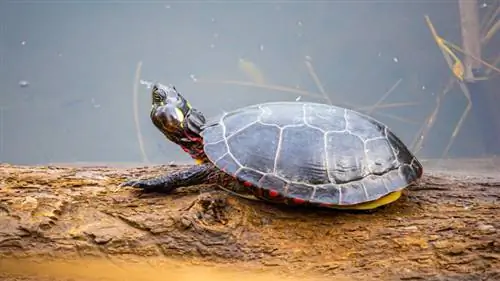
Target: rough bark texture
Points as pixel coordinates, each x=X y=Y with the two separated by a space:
x=446 y=228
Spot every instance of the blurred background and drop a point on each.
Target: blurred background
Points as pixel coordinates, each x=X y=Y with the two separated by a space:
x=68 y=70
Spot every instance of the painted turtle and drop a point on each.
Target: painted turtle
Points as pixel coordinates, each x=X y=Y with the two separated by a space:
x=296 y=153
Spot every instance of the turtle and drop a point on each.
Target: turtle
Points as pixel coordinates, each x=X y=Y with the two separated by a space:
x=288 y=152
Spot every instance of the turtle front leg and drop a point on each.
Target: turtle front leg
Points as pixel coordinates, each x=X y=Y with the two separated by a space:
x=196 y=174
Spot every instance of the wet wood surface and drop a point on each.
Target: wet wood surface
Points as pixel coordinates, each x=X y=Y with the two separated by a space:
x=446 y=227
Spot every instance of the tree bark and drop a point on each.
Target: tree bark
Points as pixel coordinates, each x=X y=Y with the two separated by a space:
x=447 y=227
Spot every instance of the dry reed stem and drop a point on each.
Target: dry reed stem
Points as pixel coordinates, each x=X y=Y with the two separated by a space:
x=487 y=23
x=465 y=91
x=417 y=143
x=316 y=80
x=385 y=96
x=136 y=113
x=485 y=63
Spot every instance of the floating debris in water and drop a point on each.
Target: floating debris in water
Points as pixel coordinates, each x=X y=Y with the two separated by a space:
x=379 y=54
x=298 y=98
x=193 y=78
x=23 y=42
x=299 y=23
x=167 y=6
x=261 y=47
x=395 y=59
x=24 y=83
x=96 y=105
x=146 y=83
x=423 y=88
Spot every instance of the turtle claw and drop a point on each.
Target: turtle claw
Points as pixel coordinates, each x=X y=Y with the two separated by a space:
x=143 y=185
x=131 y=183
x=134 y=183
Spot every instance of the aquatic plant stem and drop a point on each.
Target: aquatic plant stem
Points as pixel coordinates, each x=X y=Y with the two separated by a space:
x=488 y=25
x=318 y=83
x=384 y=96
x=136 y=113
x=483 y=62
x=447 y=56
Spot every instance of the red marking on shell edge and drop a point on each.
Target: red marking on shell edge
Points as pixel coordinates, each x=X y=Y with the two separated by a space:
x=273 y=193
x=247 y=184
x=298 y=201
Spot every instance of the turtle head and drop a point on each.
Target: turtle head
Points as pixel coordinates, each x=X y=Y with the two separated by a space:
x=172 y=114
x=167 y=95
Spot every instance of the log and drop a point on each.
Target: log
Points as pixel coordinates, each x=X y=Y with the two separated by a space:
x=446 y=227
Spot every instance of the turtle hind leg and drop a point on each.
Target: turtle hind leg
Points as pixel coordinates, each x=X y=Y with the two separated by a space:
x=196 y=174
x=236 y=188
x=208 y=207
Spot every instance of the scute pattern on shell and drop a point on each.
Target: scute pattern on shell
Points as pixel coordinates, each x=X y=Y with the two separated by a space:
x=317 y=153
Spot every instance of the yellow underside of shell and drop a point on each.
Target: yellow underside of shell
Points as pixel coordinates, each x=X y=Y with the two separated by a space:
x=389 y=198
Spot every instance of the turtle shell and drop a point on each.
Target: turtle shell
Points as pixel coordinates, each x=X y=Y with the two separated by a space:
x=310 y=153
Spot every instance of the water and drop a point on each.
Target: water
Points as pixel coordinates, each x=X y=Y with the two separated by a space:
x=67 y=71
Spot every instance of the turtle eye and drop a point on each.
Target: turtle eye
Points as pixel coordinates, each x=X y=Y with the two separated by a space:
x=168 y=95
x=158 y=96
